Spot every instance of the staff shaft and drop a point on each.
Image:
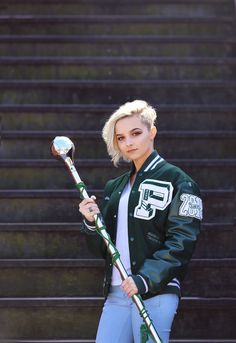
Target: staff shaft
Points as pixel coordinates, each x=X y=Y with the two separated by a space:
x=101 y=229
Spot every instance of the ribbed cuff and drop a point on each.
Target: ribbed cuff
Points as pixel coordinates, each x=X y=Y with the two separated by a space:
x=88 y=226
x=140 y=283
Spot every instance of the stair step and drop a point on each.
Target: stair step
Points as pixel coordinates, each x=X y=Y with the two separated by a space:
x=163 y=8
x=35 y=144
x=95 y=134
x=55 y=278
x=216 y=240
x=117 y=45
x=187 y=302
x=62 y=205
x=214 y=271
x=105 y=163
x=42 y=173
x=65 y=117
x=84 y=277
x=110 y=91
x=63 y=240
x=113 y=67
x=113 y=18
x=49 y=317
x=88 y=263
x=104 y=60
x=31 y=38
x=34 y=318
x=115 y=24
x=43 y=240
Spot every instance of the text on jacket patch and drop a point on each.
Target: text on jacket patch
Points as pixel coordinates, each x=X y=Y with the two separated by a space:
x=191 y=206
x=154 y=195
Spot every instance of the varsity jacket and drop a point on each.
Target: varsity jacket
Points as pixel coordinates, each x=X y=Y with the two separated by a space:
x=164 y=215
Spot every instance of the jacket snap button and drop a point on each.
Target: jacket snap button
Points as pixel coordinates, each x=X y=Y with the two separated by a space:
x=131 y=239
x=134 y=263
x=114 y=215
x=130 y=214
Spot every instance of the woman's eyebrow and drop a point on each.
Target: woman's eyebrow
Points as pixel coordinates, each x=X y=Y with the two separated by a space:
x=136 y=128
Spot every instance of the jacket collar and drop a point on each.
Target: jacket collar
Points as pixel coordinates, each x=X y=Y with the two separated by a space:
x=151 y=162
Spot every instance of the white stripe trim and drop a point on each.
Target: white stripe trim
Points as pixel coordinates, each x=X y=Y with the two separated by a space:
x=157 y=163
x=151 y=163
x=89 y=227
x=173 y=284
x=176 y=280
x=145 y=283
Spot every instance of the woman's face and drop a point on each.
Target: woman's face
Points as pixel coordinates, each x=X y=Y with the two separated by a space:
x=134 y=139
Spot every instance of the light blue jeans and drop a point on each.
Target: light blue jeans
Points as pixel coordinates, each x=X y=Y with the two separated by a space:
x=120 y=320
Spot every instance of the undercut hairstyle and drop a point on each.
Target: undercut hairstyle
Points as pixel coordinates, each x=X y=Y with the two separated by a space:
x=142 y=109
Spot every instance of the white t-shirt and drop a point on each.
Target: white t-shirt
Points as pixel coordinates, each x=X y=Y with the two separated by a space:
x=122 y=243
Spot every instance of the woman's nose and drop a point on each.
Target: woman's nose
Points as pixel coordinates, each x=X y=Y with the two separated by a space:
x=129 y=142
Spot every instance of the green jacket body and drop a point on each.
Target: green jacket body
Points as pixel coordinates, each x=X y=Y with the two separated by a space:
x=164 y=216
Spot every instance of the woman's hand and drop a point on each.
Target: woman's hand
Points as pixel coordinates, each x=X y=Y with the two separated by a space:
x=129 y=287
x=88 y=208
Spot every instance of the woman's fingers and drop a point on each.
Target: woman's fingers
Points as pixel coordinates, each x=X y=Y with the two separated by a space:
x=129 y=287
x=88 y=208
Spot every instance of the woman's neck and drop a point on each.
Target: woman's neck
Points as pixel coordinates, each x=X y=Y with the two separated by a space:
x=138 y=163
x=133 y=177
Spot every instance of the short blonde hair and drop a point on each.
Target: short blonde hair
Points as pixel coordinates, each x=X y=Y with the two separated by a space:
x=141 y=108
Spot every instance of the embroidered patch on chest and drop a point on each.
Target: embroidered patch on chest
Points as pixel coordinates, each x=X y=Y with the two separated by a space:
x=154 y=195
x=191 y=206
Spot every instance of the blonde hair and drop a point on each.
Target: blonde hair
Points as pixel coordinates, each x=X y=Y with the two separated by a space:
x=146 y=113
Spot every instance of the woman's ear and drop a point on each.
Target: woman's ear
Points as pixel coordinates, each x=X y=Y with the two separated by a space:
x=153 y=132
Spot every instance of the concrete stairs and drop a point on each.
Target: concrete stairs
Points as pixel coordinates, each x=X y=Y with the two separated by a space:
x=65 y=66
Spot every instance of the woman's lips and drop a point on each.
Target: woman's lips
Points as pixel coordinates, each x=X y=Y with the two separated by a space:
x=131 y=150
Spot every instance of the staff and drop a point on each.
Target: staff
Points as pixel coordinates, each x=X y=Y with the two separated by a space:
x=63 y=147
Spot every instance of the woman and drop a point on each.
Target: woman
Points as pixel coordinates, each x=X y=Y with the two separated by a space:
x=152 y=214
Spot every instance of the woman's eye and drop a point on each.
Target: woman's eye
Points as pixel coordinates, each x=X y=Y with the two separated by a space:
x=136 y=133
x=120 y=139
